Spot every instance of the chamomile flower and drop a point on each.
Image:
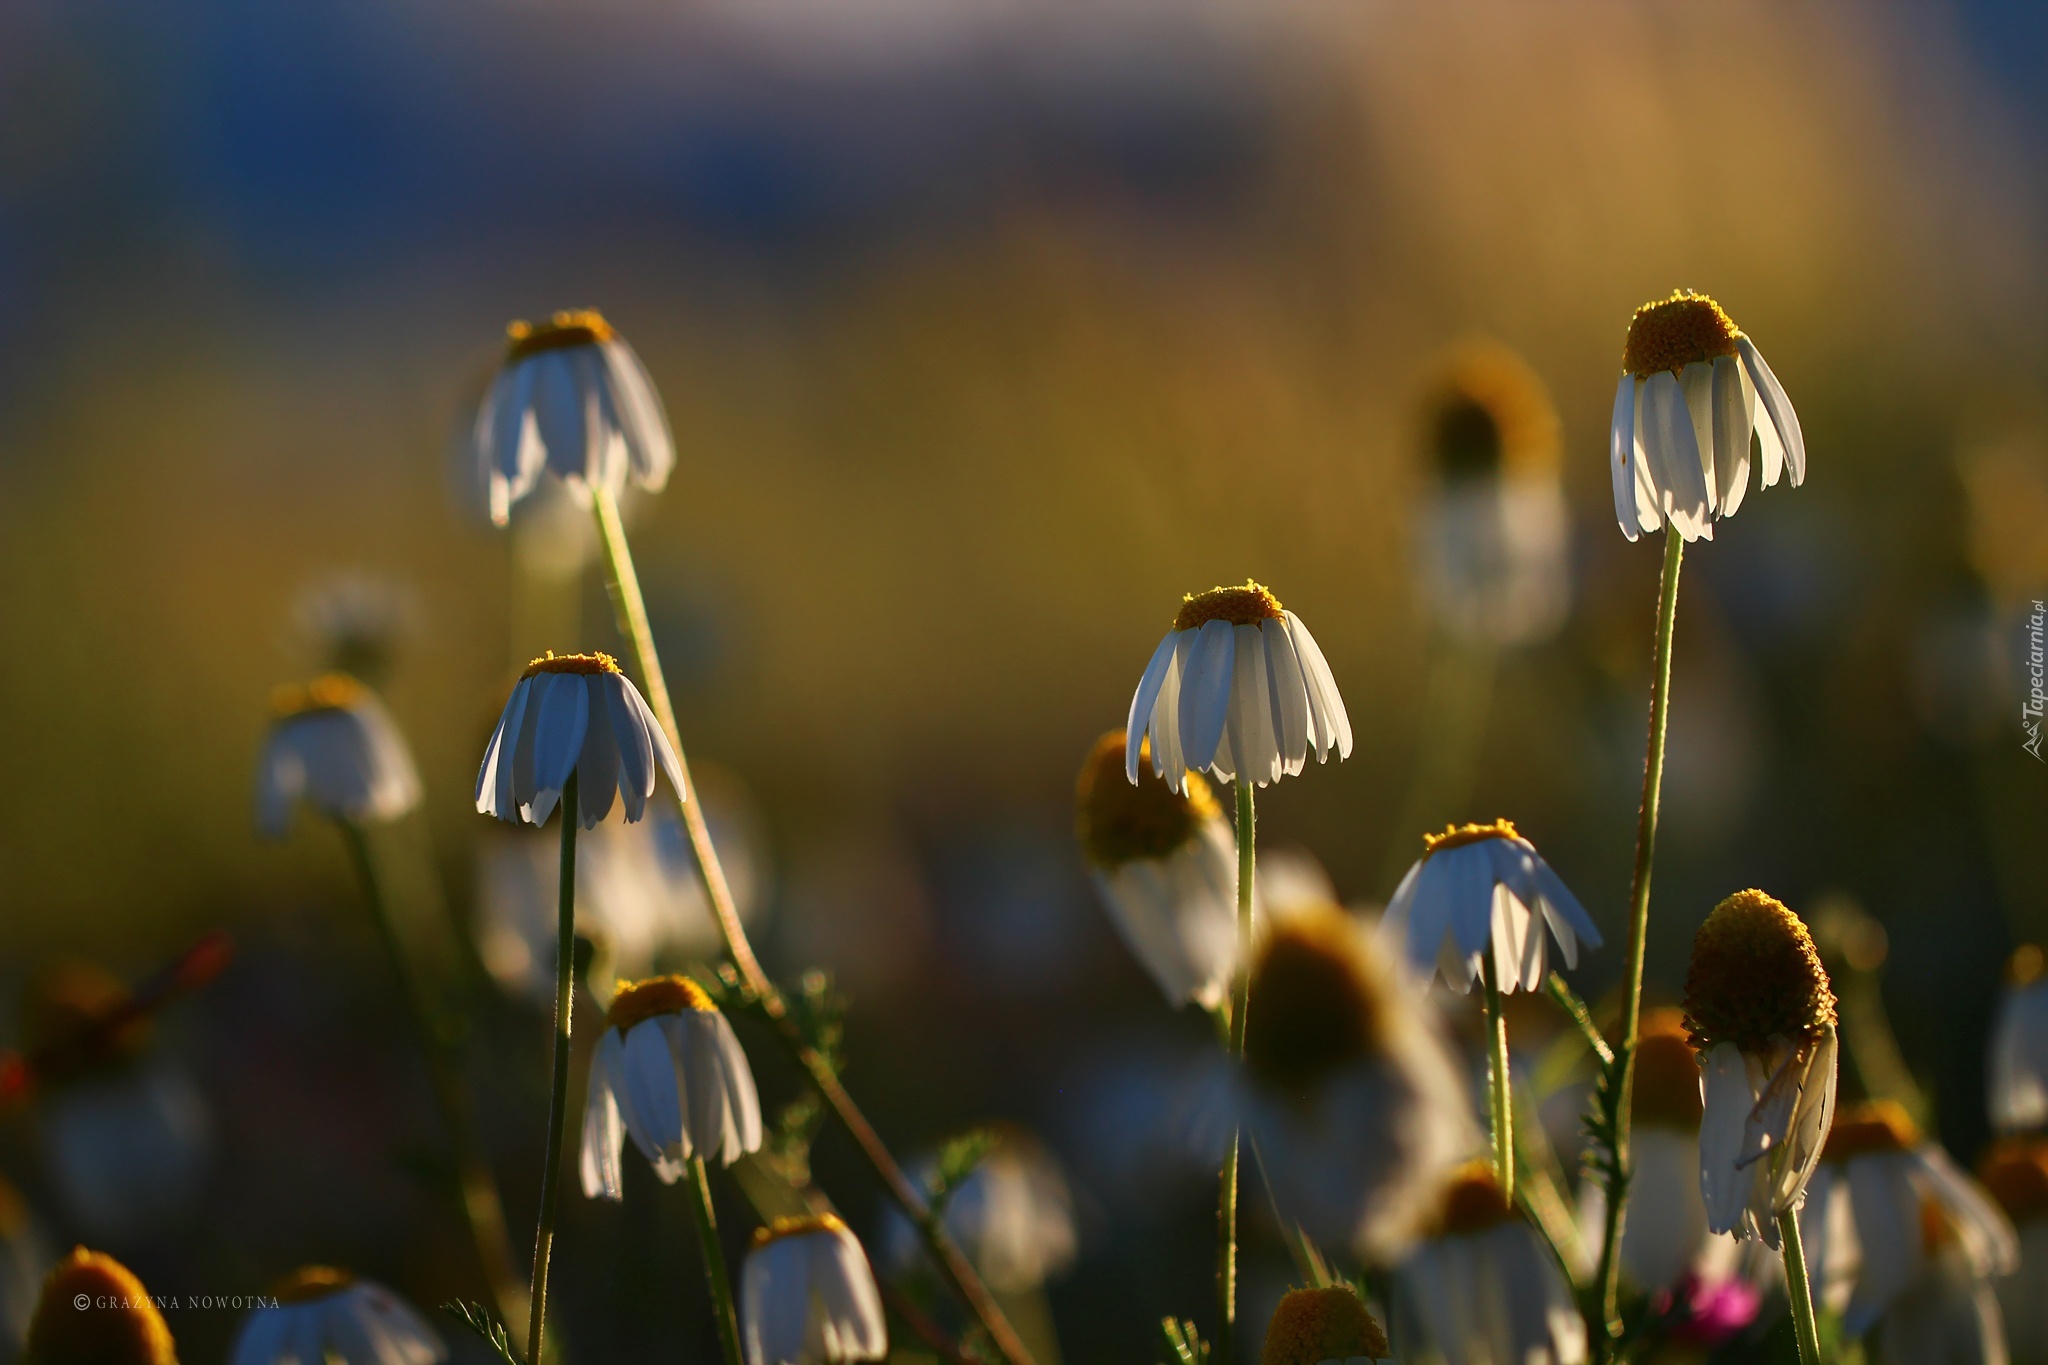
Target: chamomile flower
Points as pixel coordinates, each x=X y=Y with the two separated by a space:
x=1482 y=1289
x=1894 y=1181
x=1326 y=1326
x=2016 y=1173
x=670 y=1073
x=330 y=1316
x=573 y=399
x=1949 y=1315
x=1761 y=1013
x=1693 y=391
x=1165 y=864
x=1238 y=689
x=94 y=1310
x=335 y=747
x=1013 y=1215
x=1480 y=889
x=574 y=714
x=1492 y=532
x=2018 y=1081
x=808 y=1297
x=1348 y=1092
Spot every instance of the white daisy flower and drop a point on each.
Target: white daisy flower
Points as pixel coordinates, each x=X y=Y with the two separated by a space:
x=1326 y=1326
x=1238 y=686
x=571 y=398
x=1482 y=1289
x=1348 y=1092
x=2016 y=1173
x=1761 y=1012
x=1894 y=1182
x=1481 y=887
x=807 y=1296
x=2018 y=1080
x=669 y=1072
x=123 y=1328
x=1165 y=864
x=1493 y=532
x=329 y=1317
x=335 y=747
x=1949 y=1316
x=1693 y=389
x=574 y=713
x=1012 y=1215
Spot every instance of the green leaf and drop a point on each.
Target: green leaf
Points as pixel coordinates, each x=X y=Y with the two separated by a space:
x=477 y=1319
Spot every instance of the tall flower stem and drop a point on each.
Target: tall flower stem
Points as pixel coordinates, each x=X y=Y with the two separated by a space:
x=631 y=610
x=558 y=1093
x=481 y=1208
x=1638 y=929
x=1500 y=1097
x=1797 y=1289
x=714 y=1263
x=1240 y=1007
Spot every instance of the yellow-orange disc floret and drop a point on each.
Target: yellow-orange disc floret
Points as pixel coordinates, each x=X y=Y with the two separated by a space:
x=1755 y=975
x=2016 y=1173
x=1473 y=1202
x=574 y=327
x=643 y=1000
x=798 y=1227
x=1314 y=1325
x=329 y=692
x=311 y=1282
x=1242 y=606
x=552 y=662
x=1670 y=334
x=1667 y=1087
x=1315 y=1006
x=1488 y=414
x=1457 y=836
x=1121 y=822
x=2024 y=967
x=1870 y=1126
x=93 y=1311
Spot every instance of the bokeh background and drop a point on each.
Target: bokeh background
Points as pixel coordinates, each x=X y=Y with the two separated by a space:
x=986 y=331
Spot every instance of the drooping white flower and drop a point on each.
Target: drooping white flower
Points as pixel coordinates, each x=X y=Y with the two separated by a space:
x=670 y=1073
x=1348 y=1093
x=1895 y=1181
x=1492 y=533
x=2018 y=1080
x=1326 y=1326
x=335 y=747
x=1165 y=864
x=1013 y=1216
x=2016 y=1173
x=1948 y=1316
x=1693 y=391
x=1759 y=1008
x=1481 y=888
x=1237 y=688
x=325 y=1316
x=1482 y=1289
x=808 y=1297
x=574 y=713
x=571 y=398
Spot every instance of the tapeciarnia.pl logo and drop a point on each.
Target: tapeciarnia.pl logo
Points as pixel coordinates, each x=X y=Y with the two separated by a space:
x=2037 y=681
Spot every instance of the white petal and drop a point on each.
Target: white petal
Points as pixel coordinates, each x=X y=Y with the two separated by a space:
x=557 y=739
x=646 y=1079
x=1673 y=455
x=1888 y=1224
x=1251 y=721
x=597 y=769
x=1777 y=406
x=633 y=743
x=1696 y=380
x=1332 y=727
x=1727 y=1101
x=1139 y=718
x=1290 y=695
x=1731 y=434
x=494 y=778
x=1205 y=693
x=603 y=1136
x=642 y=419
x=1621 y=446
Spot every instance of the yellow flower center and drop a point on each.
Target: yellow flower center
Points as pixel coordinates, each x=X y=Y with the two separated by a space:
x=1314 y=1325
x=1872 y=1126
x=117 y=1324
x=1316 y=1002
x=1672 y=333
x=798 y=1227
x=1667 y=1092
x=643 y=1000
x=1245 y=606
x=1457 y=836
x=1473 y=1202
x=552 y=662
x=2016 y=1173
x=577 y=327
x=1755 y=974
x=1489 y=413
x=2025 y=966
x=329 y=692
x=1121 y=823
x=312 y=1282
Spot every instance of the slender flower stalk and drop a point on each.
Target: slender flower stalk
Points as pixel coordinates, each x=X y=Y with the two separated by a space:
x=706 y=1219
x=1798 y=1290
x=1240 y=1010
x=1500 y=1103
x=1609 y=1275
x=558 y=1088
x=630 y=607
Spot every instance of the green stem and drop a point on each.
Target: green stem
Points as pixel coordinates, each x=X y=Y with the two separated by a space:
x=1240 y=1008
x=1500 y=1096
x=481 y=1208
x=558 y=1094
x=1638 y=930
x=714 y=1262
x=1797 y=1289
x=630 y=609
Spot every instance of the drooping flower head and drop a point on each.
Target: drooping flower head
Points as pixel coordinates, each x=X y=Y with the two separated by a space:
x=334 y=746
x=1165 y=863
x=1350 y=1095
x=1693 y=391
x=1318 y=1326
x=1761 y=1012
x=2015 y=1170
x=95 y=1312
x=2018 y=1083
x=571 y=398
x=808 y=1296
x=574 y=713
x=1480 y=889
x=1238 y=689
x=328 y=1315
